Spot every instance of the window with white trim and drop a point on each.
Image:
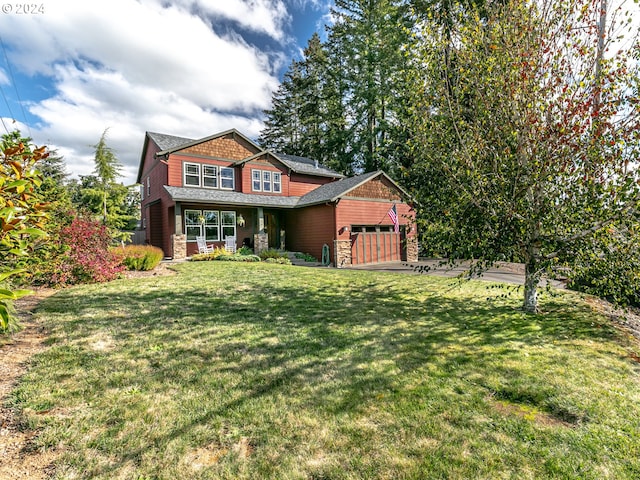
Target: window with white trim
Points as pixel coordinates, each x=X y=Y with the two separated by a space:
x=277 y=182
x=226 y=178
x=266 y=181
x=210 y=176
x=148 y=186
x=198 y=223
x=228 y=224
x=192 y=174
x=256 y=180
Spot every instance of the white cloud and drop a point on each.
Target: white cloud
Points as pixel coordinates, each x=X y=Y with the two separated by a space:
x=138 y=65
x=263 y=16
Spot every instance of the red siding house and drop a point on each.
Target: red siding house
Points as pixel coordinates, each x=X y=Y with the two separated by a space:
x=225 y=185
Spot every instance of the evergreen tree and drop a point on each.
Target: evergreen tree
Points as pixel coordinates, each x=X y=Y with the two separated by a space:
x=107 y=170
x=101 y=195
x=295 y=124
x=373 y=37
x=345 y=103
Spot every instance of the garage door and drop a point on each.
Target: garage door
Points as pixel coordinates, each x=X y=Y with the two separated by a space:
x=375 y=247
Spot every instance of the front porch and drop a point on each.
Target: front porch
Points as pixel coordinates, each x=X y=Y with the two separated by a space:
x=257 y=228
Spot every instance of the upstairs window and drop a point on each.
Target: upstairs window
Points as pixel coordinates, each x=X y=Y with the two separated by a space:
x=266 y=181
x=277 y=182
x=226 y=178
x=256 y=180
x=192 y=174
x=210 y=176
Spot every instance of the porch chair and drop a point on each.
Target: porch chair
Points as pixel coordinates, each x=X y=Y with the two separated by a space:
x=230 y=244
x=203 y=247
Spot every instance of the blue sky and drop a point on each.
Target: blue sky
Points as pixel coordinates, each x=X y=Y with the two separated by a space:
x=190 y=68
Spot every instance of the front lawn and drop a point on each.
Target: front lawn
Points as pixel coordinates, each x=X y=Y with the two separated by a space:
x=252 y=371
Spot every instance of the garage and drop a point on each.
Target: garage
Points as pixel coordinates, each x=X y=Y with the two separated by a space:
x=375 y=244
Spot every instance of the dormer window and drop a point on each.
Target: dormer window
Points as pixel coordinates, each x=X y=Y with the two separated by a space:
x=266 y=181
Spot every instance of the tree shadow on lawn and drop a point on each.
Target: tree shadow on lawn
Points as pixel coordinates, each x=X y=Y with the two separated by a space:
x=335 y=351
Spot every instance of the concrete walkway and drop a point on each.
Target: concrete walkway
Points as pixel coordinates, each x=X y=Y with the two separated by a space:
x=501 y=273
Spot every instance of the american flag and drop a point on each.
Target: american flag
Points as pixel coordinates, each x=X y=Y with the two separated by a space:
x=393 y=215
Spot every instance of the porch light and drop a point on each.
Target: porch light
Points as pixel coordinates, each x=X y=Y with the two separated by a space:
x=240 y=220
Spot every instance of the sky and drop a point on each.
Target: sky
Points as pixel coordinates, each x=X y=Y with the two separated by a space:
x=69 y=70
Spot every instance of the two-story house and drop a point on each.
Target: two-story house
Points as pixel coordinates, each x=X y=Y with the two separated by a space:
x=225 y=185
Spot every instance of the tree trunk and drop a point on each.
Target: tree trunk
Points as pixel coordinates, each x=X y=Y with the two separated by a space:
x=531 y=281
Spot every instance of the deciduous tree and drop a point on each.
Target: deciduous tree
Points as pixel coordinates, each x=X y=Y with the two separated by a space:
x=529 y=129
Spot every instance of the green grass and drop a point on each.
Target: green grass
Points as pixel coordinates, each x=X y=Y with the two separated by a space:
x=251 y=371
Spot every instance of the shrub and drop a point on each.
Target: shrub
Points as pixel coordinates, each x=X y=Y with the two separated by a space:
x=244 y=250
x=306 y=257
x=238 y=258
x=88 y=258
x=271 y=253
x=611 y=271
x=279 y=260
x=200 y=257
x=140 y=257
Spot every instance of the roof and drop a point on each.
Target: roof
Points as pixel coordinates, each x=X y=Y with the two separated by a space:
x=204 y=195
x=170 y=143
x=329 y=192
x=191 y=143
x=306 y=165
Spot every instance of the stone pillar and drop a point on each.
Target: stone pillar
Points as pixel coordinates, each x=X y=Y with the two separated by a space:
x=260 y=242
x=412 y=248
x=342 y=249
x=179 y=244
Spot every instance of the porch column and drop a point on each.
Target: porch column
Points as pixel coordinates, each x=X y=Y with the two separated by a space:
x=260 y=220
x=179 y=239
x=260 y=239
x=178 y=218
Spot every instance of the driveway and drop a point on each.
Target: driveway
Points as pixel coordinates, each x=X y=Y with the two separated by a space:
x=502 y=272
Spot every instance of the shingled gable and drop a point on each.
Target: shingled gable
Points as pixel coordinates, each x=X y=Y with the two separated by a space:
x=333 y=191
